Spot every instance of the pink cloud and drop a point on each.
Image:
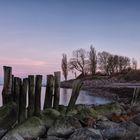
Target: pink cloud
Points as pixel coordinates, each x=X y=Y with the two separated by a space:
x=25 y=67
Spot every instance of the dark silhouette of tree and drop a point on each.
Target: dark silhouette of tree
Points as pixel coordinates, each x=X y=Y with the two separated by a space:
x=92 y=60
x=79 y=61
x=134 y=64
x=103 y=61
x=124 y=63
x=64 y=66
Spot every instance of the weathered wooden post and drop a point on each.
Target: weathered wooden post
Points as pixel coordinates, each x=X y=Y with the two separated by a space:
x=16 y=93
x=75 y=93
x=57 y=76
x=13 y=86
x=23 y=100
x=7 y=88
x=31 y=95
x=49 y=91
x=38 y=86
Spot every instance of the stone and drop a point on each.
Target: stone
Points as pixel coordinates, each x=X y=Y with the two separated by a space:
x=30 y=129
x=8 y=117
x=64 y=126
x=125 y=130
x=136 y=119
x=86 y=134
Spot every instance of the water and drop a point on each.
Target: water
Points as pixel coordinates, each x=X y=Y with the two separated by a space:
x=85 y=97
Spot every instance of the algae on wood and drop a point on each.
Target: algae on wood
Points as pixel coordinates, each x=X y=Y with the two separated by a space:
x=31 y=95
x=75 y=93
x=57 y=76
x=7 y=88
x=38 y=86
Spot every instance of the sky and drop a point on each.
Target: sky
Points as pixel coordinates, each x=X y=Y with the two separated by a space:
x=35 y=33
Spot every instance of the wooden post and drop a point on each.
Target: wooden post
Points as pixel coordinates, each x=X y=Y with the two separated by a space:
x=57 y=76
x=31 y=95
x=75 y=93
x=49 y=91
x=16 y=93
x=12 y=86
x=38 y=94
x=23 y=101
x=7 y=88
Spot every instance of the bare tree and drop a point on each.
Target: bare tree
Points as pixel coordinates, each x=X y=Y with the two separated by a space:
x=64 y=66
x=79 y=61
x=111 y=65
x=124 y=63
x=92 y=60
x=134 y=64
x=103 y=61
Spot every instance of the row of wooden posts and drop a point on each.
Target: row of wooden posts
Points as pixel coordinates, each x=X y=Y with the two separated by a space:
x=16 y=89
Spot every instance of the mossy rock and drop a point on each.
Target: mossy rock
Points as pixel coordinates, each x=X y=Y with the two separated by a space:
x=62 y=109
x=48 y=116
x=30 y=129
x=8 y=117
x=109 y=109
x=86 y=112
x=64 y=126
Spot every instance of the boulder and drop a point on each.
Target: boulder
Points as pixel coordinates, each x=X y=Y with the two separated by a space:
x=8 y=117
x=136 y=119
x=86 y=134
x=111 y=130
x=48 y=117
x=136 y=108
x=109 y=109
x=30 y=129
x=64 y=126
x=52 y=138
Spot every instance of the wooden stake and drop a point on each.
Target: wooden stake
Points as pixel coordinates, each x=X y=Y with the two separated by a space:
x=23 y=100
x=38 y=94
x=49 y=92
x=57 y=76
x=16 y=93
x=75 y=93
x=7 y=88
x=31 y=95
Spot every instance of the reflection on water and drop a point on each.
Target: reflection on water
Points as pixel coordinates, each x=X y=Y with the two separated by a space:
x=85 y=97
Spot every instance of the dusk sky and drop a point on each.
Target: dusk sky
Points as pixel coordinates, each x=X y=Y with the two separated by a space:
x=35 y=33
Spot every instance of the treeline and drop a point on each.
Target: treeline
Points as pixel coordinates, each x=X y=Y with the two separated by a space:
x=90 y=63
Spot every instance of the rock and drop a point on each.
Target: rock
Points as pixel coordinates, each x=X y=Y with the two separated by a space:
x=31 y=129
x=48 y=117
x=136 y=108
x=83 y=112
x=86 y=134
x=109 y=109
x=64 y=126
x=111 y=130
x=52 y=138
x=8 y=117
x=136 y=119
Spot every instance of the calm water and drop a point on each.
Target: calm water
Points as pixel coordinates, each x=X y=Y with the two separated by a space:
x=65 y=94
